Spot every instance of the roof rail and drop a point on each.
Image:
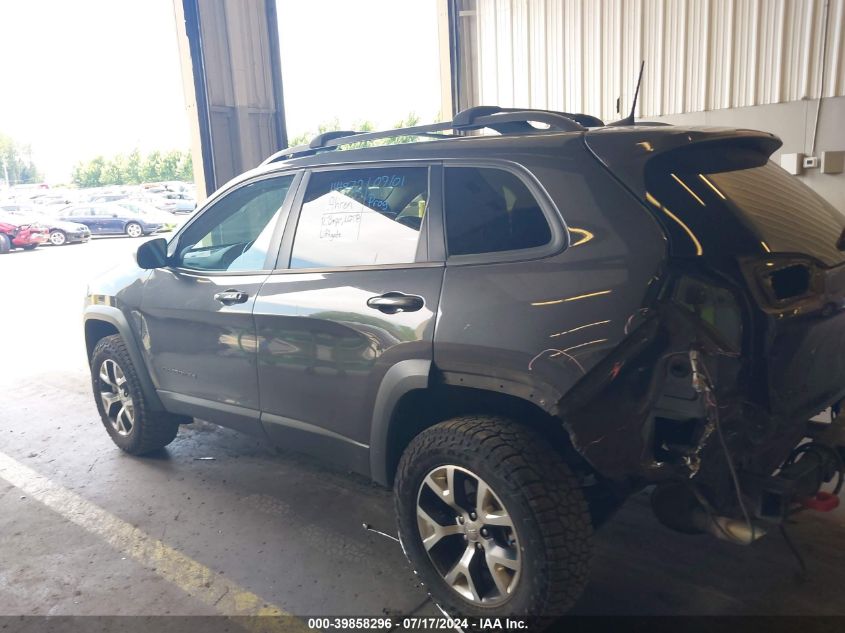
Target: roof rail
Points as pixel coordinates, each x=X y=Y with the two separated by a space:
x=585 y=120
x=321 y=139
x=502 y=120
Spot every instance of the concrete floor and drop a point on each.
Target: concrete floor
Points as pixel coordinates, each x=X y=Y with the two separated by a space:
x=280 y=526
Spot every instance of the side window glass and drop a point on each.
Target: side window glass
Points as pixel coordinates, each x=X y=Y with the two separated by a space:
x=491 y=210
x=361 y=216
x=234 y=234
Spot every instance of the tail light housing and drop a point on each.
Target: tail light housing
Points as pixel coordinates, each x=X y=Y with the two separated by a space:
x=782 y=280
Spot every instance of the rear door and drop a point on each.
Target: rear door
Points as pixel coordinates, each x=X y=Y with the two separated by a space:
x=196 y=314
x=110 y=219
x=355 y=292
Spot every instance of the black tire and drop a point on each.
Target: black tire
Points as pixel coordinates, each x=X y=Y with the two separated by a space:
x=58 y=237
x=133 y=229
x=5 y=243
x=540 y=494
x=30 y=247
x=150 y=430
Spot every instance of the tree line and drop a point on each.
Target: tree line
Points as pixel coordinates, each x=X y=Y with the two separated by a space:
x=16 y=164
x=362 y=126
x=133 y=169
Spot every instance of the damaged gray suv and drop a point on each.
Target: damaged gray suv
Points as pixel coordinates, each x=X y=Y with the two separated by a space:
x=515 y=331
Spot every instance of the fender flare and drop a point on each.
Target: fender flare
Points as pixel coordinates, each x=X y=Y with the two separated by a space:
x=402 y=378
x=115 y=317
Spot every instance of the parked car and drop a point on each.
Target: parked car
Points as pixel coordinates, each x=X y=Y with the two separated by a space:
x=59 y=231
x=515 y=332
x=51 y=200
x=150 y=213
x=108 y=197
x=177 y=202
x=110 y=219
x=13 y=208
x=19 y=232
x=155 y=200
x=62 y=232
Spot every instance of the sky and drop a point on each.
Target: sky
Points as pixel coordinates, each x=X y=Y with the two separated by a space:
x=81 y=78
x=358 y=60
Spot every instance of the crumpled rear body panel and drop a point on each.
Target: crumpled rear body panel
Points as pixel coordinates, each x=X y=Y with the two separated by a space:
x=775 y=359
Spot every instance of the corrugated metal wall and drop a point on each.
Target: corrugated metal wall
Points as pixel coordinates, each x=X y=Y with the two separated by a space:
x=580 y=55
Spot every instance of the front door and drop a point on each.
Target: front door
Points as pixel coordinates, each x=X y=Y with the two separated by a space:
x=357 y=294
x=86 y=216
x=196 y=315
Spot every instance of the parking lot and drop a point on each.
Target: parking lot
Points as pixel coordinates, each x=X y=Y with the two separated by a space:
x=218 y=523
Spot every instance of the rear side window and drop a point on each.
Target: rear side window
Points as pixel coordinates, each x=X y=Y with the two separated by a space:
x=360 y=217
x=490 y=211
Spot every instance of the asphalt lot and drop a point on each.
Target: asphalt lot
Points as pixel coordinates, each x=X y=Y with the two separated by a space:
x=218 y=523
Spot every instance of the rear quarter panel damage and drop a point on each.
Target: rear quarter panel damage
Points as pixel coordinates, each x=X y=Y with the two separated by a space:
x=534 y=329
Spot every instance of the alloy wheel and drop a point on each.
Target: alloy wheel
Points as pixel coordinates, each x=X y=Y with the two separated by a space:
x=469 y=535
x=134 y=230
x=114 y=394
x=57 y=238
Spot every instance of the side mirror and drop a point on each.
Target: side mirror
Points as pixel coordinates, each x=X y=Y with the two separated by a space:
x=152 y=254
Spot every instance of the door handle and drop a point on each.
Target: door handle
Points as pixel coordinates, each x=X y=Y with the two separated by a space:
x=231 y=297
x=393 y=302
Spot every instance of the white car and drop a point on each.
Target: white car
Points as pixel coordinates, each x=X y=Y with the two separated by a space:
x=150 y=213
x=177 y=202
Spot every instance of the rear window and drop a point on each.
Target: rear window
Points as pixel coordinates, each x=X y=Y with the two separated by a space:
x=704 y=189
x=358 y=217
x=491 y=211
x=791 y=217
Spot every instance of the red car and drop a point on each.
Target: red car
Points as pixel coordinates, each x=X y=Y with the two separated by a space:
x=18 y=233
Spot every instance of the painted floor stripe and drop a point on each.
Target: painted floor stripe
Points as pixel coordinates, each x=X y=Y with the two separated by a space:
x=192 y=577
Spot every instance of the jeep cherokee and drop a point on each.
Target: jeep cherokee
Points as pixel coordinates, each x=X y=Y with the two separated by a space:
x=515 y=331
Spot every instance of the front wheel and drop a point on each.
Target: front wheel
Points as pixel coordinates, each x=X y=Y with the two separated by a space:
x=492 y=520
x=58 y=238
x=133 y=229
x=121 y=402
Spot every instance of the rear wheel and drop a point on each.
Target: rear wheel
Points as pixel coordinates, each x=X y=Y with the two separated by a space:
x=123 y=408
x=5 y=243
x=58 y=238
x=492 y=519
x=133 y=229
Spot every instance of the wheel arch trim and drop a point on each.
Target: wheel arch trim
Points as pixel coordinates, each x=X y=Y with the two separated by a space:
x=415 y=375
x=114 y=317
x=402 y=378
x=538 y=393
